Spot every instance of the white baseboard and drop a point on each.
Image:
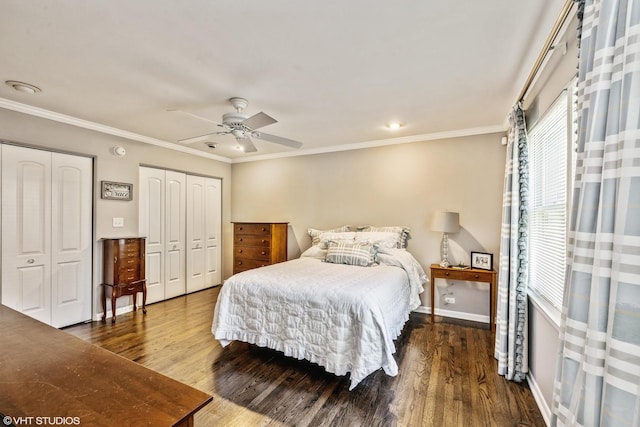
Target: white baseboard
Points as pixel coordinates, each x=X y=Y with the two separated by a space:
x=454 y=314
x=119 y=310
x=537 y=395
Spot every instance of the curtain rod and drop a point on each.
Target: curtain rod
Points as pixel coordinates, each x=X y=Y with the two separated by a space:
x=564 y=14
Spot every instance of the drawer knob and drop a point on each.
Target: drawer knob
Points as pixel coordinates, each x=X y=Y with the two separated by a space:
x=239 y=262
x=446 y=273
x=240 y=239
x=240 y=228
x=264 y=241
x=264 y=229
x=31 y=261
x=239 y=251
x=477 y=275
x=263 y=253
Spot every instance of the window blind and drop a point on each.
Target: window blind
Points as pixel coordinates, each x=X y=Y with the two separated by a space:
x=548 y=203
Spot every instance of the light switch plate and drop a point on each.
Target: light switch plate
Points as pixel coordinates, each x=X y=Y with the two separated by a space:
x=118 y=222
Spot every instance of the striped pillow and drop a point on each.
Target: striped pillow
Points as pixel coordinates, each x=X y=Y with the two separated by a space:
x=316 y=235
x=361 y=254
x=403 y=233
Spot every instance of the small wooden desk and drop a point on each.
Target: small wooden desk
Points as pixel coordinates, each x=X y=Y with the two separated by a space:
x=45 y=372
x=469 y=275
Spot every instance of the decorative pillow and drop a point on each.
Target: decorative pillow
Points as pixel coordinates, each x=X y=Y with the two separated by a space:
x=315 y=252
x=315 y=233
x=329 y=236
x=387 y=239
x=403 y=232
x=361 y=254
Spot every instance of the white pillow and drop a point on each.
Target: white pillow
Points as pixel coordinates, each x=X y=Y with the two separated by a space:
x=315 y=251
x=314 y=233
x=326 y=237
x=403 y=232
x=386 y=239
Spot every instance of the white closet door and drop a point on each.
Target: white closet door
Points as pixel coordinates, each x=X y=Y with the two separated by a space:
x=196 y=244
x=71 y=217
x=26 y=231
x=175 y=237
x=152 y=226
x=213 y=231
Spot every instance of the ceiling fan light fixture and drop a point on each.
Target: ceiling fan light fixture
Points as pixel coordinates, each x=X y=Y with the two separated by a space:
x=23 y=87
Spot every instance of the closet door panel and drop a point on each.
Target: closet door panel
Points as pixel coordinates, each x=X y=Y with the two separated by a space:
x=71 y=287
x=71 y=216
x=175 y=219
x=196 y=244
x=213 y=230
x=151 y=226
x=26 y=231
x=33 y=292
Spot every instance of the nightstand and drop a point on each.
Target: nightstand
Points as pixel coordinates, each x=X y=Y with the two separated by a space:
x=468 y=275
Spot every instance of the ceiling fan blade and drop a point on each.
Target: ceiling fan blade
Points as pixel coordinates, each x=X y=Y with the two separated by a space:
x=259 y=120
x=195 y=139
x=186 y=113
x=247 y=145
x=277 y=139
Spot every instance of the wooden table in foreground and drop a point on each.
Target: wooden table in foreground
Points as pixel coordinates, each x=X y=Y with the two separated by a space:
x=469 y=275
x=45 y=372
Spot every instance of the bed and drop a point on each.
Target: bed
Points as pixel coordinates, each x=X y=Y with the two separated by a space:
x=340 y=305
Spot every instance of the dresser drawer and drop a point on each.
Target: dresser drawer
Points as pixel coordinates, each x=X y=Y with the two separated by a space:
x=247 y=264
x=254 y=229
x=130 y=288
x=251 y=252
x=469 y=275
x=252 y=240
x=129 y=274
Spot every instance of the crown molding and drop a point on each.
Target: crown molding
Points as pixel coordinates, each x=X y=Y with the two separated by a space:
x=86 y=124
x=378 y=143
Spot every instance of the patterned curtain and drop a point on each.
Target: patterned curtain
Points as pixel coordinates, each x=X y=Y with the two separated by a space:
x=598 y=373
x=511 y=329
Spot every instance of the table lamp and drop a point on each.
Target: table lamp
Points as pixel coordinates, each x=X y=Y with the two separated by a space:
x=445 y=222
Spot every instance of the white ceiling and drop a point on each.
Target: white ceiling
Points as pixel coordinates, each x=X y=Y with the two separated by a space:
x=332 y=73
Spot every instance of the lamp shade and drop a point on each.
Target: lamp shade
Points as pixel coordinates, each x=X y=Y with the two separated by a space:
x=446 y=222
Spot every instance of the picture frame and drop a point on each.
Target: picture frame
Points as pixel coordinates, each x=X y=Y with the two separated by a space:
x=482 y=260
x=116 y=190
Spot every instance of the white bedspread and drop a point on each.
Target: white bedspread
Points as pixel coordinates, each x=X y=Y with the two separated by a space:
x=341 y=317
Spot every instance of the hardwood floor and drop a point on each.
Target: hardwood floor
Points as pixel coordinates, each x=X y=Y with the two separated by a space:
x=447 y=374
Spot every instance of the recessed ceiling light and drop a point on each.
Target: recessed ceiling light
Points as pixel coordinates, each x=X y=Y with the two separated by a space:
x=23 y=87
x=394 y=125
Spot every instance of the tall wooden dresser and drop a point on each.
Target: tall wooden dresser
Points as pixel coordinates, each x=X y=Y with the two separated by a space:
x=123 y=272
x=256 y=244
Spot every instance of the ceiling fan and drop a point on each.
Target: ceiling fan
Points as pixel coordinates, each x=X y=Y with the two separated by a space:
x=242 y=127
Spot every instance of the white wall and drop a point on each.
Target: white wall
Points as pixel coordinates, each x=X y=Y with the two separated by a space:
x=38 y=132
x=391 y=185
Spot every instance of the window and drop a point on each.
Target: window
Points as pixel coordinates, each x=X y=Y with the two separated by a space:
x=551 y=167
